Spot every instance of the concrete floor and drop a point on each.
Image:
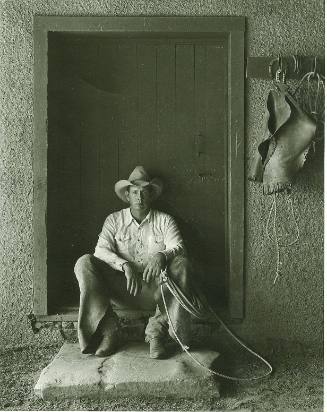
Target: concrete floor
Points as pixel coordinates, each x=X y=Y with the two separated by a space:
x=296 y=385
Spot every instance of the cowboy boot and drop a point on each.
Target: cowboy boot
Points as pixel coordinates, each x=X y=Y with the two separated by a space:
x=157 y=349
x=108 y=328
x=107 y=346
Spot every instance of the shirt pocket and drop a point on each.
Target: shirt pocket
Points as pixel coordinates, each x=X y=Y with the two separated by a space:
x=123 y=242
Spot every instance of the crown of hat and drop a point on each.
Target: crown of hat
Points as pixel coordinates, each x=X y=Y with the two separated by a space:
x=139 y=174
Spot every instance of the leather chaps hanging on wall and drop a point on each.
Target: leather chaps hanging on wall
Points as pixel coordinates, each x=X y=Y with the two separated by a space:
x=288 y=136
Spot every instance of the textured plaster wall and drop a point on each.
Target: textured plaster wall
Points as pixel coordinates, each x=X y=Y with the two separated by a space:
x=292 y=309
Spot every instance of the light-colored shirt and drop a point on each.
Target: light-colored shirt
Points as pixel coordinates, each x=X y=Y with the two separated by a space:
x=123 y=239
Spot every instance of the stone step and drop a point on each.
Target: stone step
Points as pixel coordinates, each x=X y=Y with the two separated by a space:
x=128 y=373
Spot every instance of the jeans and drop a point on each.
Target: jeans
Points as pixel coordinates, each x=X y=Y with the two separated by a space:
x=103 y=288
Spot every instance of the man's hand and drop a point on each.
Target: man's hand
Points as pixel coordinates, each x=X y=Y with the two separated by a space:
x=154 y=267
x=134 y=284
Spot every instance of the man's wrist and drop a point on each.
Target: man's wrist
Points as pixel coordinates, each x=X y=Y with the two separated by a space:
x=123 y=266
x=164 y=257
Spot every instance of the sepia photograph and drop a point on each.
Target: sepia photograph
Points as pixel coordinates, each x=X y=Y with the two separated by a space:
x=162 y=205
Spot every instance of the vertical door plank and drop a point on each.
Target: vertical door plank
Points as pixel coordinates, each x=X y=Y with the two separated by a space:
x=147 y=105
x=165 y=77
x=90 y=170
x=200 y=91
x=184 y=107
x=127 y=116
x=109 y=136
x=200 y=206
x=89 y=149
x=181 y=182
x=215 y=157
x=216 y=109
x=216 y=134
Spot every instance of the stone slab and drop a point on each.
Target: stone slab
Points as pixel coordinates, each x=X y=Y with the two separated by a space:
x=127 y=373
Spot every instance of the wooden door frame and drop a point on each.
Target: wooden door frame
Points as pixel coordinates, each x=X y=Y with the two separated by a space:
x=170 y=26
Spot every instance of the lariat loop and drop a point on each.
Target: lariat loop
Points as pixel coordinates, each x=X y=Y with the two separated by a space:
x=202 y=311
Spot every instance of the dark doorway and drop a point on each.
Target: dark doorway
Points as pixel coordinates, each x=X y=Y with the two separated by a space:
x=114 y=103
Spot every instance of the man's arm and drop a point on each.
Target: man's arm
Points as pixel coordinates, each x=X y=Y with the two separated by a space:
x=106 y=251
x=174 y=247
x=173 y=240
x=106 y=247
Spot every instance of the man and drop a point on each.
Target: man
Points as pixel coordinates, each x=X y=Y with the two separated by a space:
x=135 y=245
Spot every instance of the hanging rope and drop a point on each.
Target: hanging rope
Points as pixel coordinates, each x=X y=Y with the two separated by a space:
x=202 y=310
x=313 y=94
x=275 y=239
x=312 y=88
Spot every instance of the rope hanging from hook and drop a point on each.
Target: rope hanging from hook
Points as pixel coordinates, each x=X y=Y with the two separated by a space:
x=315 y=83
x=276 y=236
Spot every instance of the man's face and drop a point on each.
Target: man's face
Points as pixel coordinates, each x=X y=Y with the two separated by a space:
x=139 y=197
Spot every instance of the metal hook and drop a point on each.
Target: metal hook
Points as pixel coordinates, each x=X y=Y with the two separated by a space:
x=280 y=62
x=270 y=67
x=281 y=69
x=314 y=70
x=284 y=75
x=277 y=75
x=296 y=63
x=277 y=60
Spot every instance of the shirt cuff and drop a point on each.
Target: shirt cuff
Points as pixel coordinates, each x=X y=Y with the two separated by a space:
x=115 y=261
x=121 y=265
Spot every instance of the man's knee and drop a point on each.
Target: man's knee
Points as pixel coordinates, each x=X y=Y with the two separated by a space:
x=83 y=264
x=180 y=268
x=179 y=263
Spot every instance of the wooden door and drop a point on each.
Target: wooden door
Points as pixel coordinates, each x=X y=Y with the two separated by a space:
x=118 y=103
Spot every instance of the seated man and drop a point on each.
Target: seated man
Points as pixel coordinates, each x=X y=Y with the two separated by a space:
x=135 y=245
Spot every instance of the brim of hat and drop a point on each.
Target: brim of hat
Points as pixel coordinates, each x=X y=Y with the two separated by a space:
x=122 y=185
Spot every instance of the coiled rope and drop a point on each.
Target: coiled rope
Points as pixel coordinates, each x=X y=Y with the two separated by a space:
x=202 y=310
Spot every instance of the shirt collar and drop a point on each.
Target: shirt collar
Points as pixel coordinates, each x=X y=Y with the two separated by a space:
x=130 y=219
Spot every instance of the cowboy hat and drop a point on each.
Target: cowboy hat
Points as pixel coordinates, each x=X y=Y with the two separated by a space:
x=138 y=177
